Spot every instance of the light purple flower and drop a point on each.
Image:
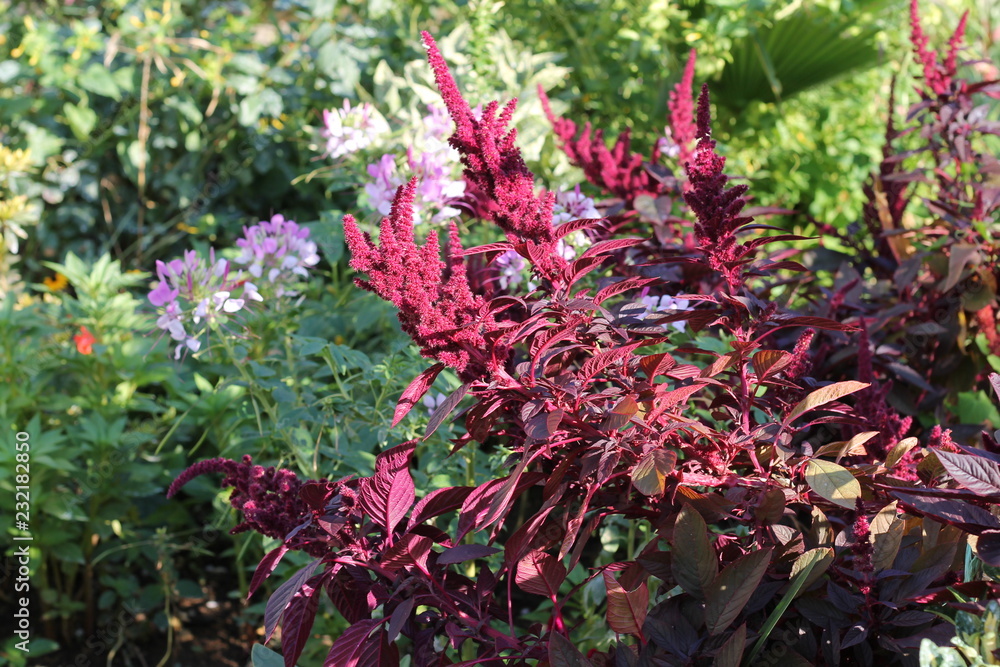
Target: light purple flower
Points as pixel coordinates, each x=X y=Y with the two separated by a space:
x=382 y=190
x=433 y=402
x=184 y=291
x=572 y=205
x=351 y=129
x=279 y=254
x=437 y=188
x=666 y=144
x=511 y=265
x=665 y=304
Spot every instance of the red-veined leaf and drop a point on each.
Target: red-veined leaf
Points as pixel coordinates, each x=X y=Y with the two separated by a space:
x=501 y=247
x=388 y=495
x=266 y=567
x=540 y=573
x=346 y=651
x=768 y=362
x=415 y=391
x=626 y=609
x=605 y=247
x=817 y=322
x=438 y=502
x=410 y=550
x=622 y=286
x=563 y=229
x=479 y=501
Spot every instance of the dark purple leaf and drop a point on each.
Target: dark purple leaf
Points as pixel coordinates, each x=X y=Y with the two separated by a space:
x=978 y=475
x=442 y=411
x=543 y=425
x=266 y=567
x=464 y=552
x=297 y=622
x=279 y=600
x=988 y=547
x=438 y=502
x=398 y=618
x=415 y=391
x=388 y=495
x=347 y=650
x=968 y=517
x=562 y=653
x=730 y=591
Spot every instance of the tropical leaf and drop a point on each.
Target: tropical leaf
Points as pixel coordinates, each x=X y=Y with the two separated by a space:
x=804 y=49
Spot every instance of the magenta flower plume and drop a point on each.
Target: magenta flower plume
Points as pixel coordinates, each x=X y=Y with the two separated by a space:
x=937 y=76
x=681 y=106
x=436 y=305
x=716 y=206
x=616 y=169
x=491 y=159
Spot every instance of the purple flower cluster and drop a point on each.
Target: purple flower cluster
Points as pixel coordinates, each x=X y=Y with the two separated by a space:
x=279 y=254
x=433 y=162
x=196 y=294
x=665 y=304
x=572 y=205
x=350 y=129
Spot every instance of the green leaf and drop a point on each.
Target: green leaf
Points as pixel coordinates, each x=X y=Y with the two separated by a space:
x=807 y=48
x=81 y=120
x=693 y=562
x=98 y=79
x=730 y=591
x=806 y=569
x=261 y=656
x=833 y=482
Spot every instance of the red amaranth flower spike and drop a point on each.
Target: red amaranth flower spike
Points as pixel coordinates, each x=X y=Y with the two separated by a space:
x=681 y=105
x=616 y=170
x=491 y=159
x=435 y=305
x=268 y=498
x=937 y=76
x=716 y=206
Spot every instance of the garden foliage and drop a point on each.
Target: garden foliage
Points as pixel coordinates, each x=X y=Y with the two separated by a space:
x=731 y=406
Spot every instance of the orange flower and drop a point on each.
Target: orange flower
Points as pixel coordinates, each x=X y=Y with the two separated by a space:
x=56 y=282
x=84 y=341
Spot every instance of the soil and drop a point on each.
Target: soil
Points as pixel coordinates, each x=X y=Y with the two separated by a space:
x=209 y=634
